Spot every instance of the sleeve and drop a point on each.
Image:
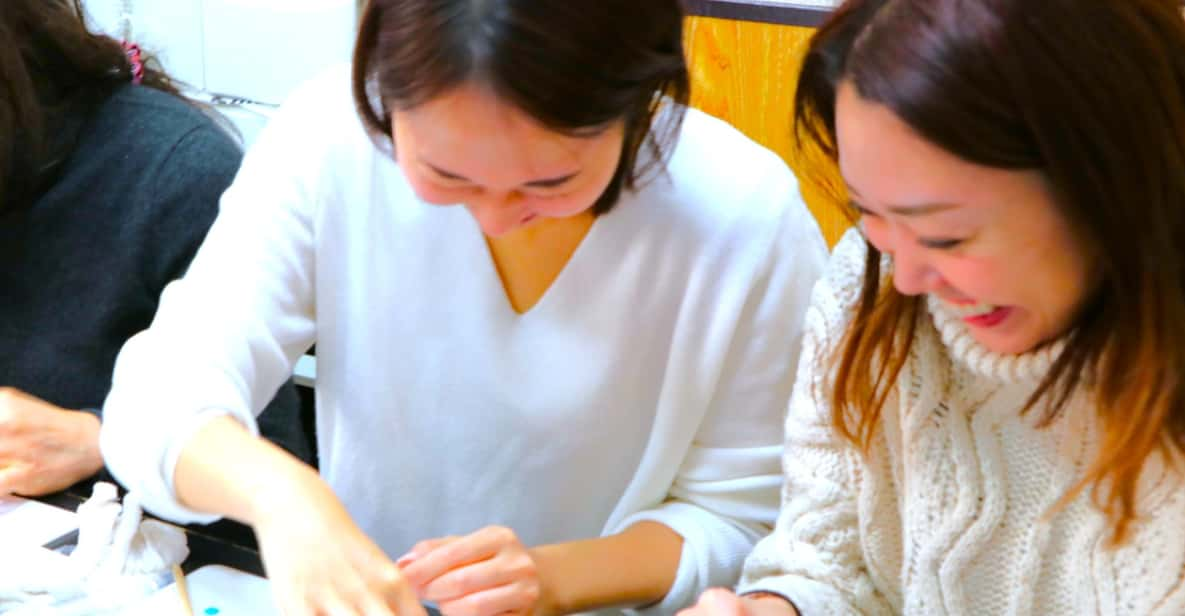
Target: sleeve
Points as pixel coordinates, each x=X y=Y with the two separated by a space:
x=814 y=556
x=724 y=495
x=189 y=182
x=228 y=333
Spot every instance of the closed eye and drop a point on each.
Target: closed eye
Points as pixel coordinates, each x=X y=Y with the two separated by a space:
x=940 y=244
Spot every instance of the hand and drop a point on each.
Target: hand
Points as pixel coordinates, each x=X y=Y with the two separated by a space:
x=487 y=572
x=44 y=448
x=320 y=562
x=722 y=602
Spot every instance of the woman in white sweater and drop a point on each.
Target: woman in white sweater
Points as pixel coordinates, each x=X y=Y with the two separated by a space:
x=990 y=411
x=562 y=393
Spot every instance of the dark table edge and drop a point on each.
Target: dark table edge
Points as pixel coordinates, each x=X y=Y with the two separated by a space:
x=760 y=10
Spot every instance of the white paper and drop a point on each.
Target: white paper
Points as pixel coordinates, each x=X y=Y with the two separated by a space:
x=28 y=523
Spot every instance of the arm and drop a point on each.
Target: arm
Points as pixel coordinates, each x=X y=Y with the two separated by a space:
x=582 y=576
x=225 y=336
x=179 y=422
x=492 y=572
x=724 y=495
x=314 y=554
x=814 y=557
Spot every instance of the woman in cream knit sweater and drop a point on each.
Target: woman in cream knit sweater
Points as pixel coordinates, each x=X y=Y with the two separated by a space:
x=990 y=411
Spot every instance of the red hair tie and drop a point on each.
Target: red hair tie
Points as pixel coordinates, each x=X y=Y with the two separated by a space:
x=134 y=58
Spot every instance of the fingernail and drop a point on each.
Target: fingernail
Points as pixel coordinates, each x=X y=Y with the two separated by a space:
x=406 y=559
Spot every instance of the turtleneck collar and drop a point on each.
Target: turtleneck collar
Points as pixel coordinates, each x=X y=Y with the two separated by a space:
x=1004 y=368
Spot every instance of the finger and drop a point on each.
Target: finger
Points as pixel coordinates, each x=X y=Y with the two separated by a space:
x=403 y=602
x=422 y=548
x=375 y=606
x=333 y=605
x=466 y=550
x=509 y=598
x=392 y=593
x=470 y=579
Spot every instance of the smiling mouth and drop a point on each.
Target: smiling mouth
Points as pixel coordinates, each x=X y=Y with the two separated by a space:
x=972 y=310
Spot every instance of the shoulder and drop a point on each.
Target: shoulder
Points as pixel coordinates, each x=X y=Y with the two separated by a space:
x=317 y=134
x=726 y=172
x=322 y=110
x=155 y=134
x=719 y=184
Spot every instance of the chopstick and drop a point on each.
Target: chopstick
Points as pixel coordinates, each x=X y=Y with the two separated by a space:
x=179 y=577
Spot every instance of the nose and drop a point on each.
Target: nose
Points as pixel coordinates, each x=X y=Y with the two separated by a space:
x=497 y=213
x=912 y=273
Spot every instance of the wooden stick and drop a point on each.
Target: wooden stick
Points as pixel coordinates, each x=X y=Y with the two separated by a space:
x=179 y=577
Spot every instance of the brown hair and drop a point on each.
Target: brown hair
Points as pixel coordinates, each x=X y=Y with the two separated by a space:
x=570 y=65
x=1093 y=96
x=53 y=73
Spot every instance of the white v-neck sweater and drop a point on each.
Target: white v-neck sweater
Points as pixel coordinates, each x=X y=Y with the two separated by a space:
x=649 y=383
x=947 y=517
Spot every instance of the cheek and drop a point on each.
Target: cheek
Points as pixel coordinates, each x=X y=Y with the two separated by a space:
x=876 y=231
x=566 y=205
x=985 y=280
x=435 y=194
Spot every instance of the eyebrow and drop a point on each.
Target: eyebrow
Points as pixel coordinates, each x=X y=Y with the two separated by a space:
x=912 y=211
x=542 y=183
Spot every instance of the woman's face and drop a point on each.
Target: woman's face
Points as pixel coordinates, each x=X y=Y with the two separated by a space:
x=989 y=242
x=467 y=147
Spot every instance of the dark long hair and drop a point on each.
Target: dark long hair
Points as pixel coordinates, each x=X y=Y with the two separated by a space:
x=570 y=65
x=53 y=73
x=1091 y=94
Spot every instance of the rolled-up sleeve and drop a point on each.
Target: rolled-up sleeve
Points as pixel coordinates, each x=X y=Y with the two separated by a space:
x=227 y=334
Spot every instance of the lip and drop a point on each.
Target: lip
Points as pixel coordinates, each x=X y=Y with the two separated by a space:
x=990 y=319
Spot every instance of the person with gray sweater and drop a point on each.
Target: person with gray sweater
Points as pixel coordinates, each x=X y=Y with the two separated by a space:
x=109 y=181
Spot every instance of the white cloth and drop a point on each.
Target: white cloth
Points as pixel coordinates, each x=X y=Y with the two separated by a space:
x=119 y=559
x=947 y=517
x=649 y=382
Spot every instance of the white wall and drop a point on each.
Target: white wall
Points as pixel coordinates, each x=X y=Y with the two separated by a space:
x=254 y=51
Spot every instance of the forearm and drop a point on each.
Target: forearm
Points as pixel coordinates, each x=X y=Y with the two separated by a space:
x=635 y=567
x=226 y=470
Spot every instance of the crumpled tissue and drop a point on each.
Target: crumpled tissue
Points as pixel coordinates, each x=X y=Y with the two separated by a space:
x=120 y=559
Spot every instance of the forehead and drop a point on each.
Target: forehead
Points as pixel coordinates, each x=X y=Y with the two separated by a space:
x=886 y=162
x=471 y=118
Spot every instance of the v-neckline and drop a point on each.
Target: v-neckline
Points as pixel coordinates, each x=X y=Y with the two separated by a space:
x=500 y=286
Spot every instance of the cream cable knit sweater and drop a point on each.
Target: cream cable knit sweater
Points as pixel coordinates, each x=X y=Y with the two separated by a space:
x=947 y=516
